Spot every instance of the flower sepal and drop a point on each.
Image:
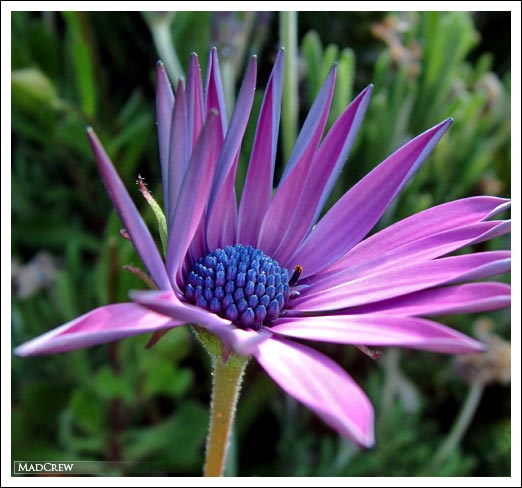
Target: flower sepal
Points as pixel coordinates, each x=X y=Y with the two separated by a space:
x=217 y=349
x=158 y=212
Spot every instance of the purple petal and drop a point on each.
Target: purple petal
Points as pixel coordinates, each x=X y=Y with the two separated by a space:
x=198 y=245
x=467 y=298
x=194 y=100
x=338 y=143
x=424 y=249
x=322 y=385
x=502 y=228
x=421 y=225
x=138 y=231
x=354 y=215
x=313 y=123
x=486 y=269
x=290 y=189
x=168 y=304
x=324 y=171
x=194 y=194
x=180 y=149
x=104 y=324
x=379 y=330
x=228 y=158
x=245 y=342
x=214 y=99
x=401 y=280
x=164 y=106
x=222 y=220
x=257 y=190
x=214 y=95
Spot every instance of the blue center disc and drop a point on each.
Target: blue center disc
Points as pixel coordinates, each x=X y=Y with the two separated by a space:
x=241 y=284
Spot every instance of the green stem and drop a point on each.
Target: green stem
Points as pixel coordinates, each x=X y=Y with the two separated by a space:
x=226 y=384
x=227 y=71
x=461 y=425
x=225 y=393
x=288 y=36
x=159 y=25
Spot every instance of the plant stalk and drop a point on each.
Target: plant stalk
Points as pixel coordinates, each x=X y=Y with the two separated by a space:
x=225 y=393
x=460 y=426
x=289 y=115
x=227 y=373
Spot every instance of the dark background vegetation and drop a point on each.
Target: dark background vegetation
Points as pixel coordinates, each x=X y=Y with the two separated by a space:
x=123 y=402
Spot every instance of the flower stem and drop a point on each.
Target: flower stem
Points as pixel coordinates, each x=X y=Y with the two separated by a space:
x=461 y=425
x=227 y=70
x=288 y=39
x=225 y=393
x=159 y=24
x=227 y=375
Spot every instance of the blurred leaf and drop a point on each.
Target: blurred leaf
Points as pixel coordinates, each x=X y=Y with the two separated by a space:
x=81 y=58
x=177 y=442
x=77 y=444
x=174 y=346
x=109 y=384
x=165 y=379
x=191 y=33
x=312 y=52
x=48 y=398
x=343 y=85
x=70 y=131
x=31 y=86
x=86 y=411
x=37 y=42
x=65 y=290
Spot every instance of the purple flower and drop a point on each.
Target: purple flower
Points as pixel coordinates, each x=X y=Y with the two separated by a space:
x=269 y=269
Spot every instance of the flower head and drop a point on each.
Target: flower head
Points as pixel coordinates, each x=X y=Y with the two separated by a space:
x=268 y=269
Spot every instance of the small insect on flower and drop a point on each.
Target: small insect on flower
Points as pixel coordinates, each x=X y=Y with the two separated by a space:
x=226 y=266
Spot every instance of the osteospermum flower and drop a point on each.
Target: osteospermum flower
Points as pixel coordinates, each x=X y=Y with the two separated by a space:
x=268 y=270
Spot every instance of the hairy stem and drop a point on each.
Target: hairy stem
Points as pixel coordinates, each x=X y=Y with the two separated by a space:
x=227 y=373
x=225 y=393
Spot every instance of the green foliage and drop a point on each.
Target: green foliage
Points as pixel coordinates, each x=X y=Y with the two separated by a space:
x=81 y=59
x=422 y=78
x=147 y=406
x=290 y=100
x=318 y=62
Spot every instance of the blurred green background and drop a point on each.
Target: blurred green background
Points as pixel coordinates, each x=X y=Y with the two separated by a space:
x=123 y=402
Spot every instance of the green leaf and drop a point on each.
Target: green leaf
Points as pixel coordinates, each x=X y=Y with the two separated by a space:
x=81 y=59
x=31 y=86
x=166 y=379
x=110 y=385
x=87 y=411
x=329 y=58
x=178 y=442
x=312 y=50
x=343 y=84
